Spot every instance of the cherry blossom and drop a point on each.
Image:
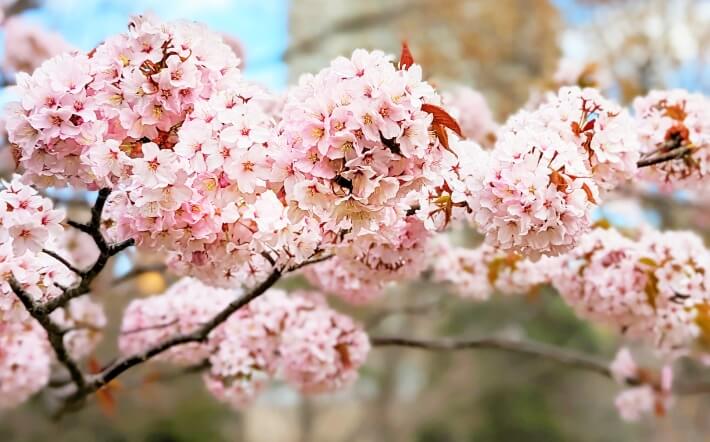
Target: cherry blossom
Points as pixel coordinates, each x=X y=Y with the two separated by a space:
x=183 y=308
x=25 y=359
x=653 y=289
x=666 y=120
x=361 y=272
x=477 y=273
x=547 y=171
x=357 y=143
x=321 y=349
x=651 y=396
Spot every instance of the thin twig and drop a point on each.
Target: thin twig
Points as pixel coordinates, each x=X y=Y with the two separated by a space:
x=64 y=261
x=309 y=262
x=668 y=156
x=41 y=312
x=536 y=349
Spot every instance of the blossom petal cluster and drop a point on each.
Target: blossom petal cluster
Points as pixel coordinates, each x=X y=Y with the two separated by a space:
x=450 y=198
x=295 y=336
x=671 y=119
x=83 y=118
x=28 y=224
x=654 y=288
x=183 y=308
x=25 y=359
x=358 y=142
x=478 y=273
x=547 y=171
x=651 y=393
x=362 y=271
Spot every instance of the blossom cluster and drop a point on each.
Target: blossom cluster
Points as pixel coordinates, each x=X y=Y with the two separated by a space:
x=25 y=359
x=548 y=168
x=654 y=288
x=212 y=200
x=295 y=336
x=82 y=118
x=450 y=198
x=361 y=272
x=161 y=115
x=651 y=393
x=358 y=142
x=480 y=272
x=28 y=224
x=667 y=120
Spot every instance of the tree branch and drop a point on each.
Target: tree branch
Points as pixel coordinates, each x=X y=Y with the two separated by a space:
x=671 y=155
x=536 y=349
x=97 y=381
x=64 y=261
x=41 y=312
x=106 y=251
x=55 y=334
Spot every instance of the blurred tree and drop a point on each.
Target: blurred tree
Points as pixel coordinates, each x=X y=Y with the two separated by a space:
x=500 y=46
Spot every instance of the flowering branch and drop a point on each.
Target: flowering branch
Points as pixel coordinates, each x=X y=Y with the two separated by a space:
x=55 y=334
x=41 y=311
x=115 y=369
x=106 y=251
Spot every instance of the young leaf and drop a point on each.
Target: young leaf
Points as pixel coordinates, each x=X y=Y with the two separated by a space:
x=405 y=58
x=443 y=118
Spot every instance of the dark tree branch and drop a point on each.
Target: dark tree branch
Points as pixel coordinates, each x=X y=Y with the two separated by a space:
x=115 y=369
x=106 y=251
x=55 y=334
x=536 y=349
x=671 y=155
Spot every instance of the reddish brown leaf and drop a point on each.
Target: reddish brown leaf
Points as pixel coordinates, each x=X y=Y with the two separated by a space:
x=589 y=125
x=405 y=58
x=443 y=118
x=590 y=195
x=558 y=180
x=441 y=134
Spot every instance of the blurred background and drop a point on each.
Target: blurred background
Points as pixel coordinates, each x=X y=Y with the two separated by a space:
x=511 y=51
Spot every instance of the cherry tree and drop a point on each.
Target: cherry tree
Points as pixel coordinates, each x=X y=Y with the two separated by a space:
x=355 y=180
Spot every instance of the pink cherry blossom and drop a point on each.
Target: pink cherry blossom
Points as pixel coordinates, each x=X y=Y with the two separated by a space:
x=671 y=119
